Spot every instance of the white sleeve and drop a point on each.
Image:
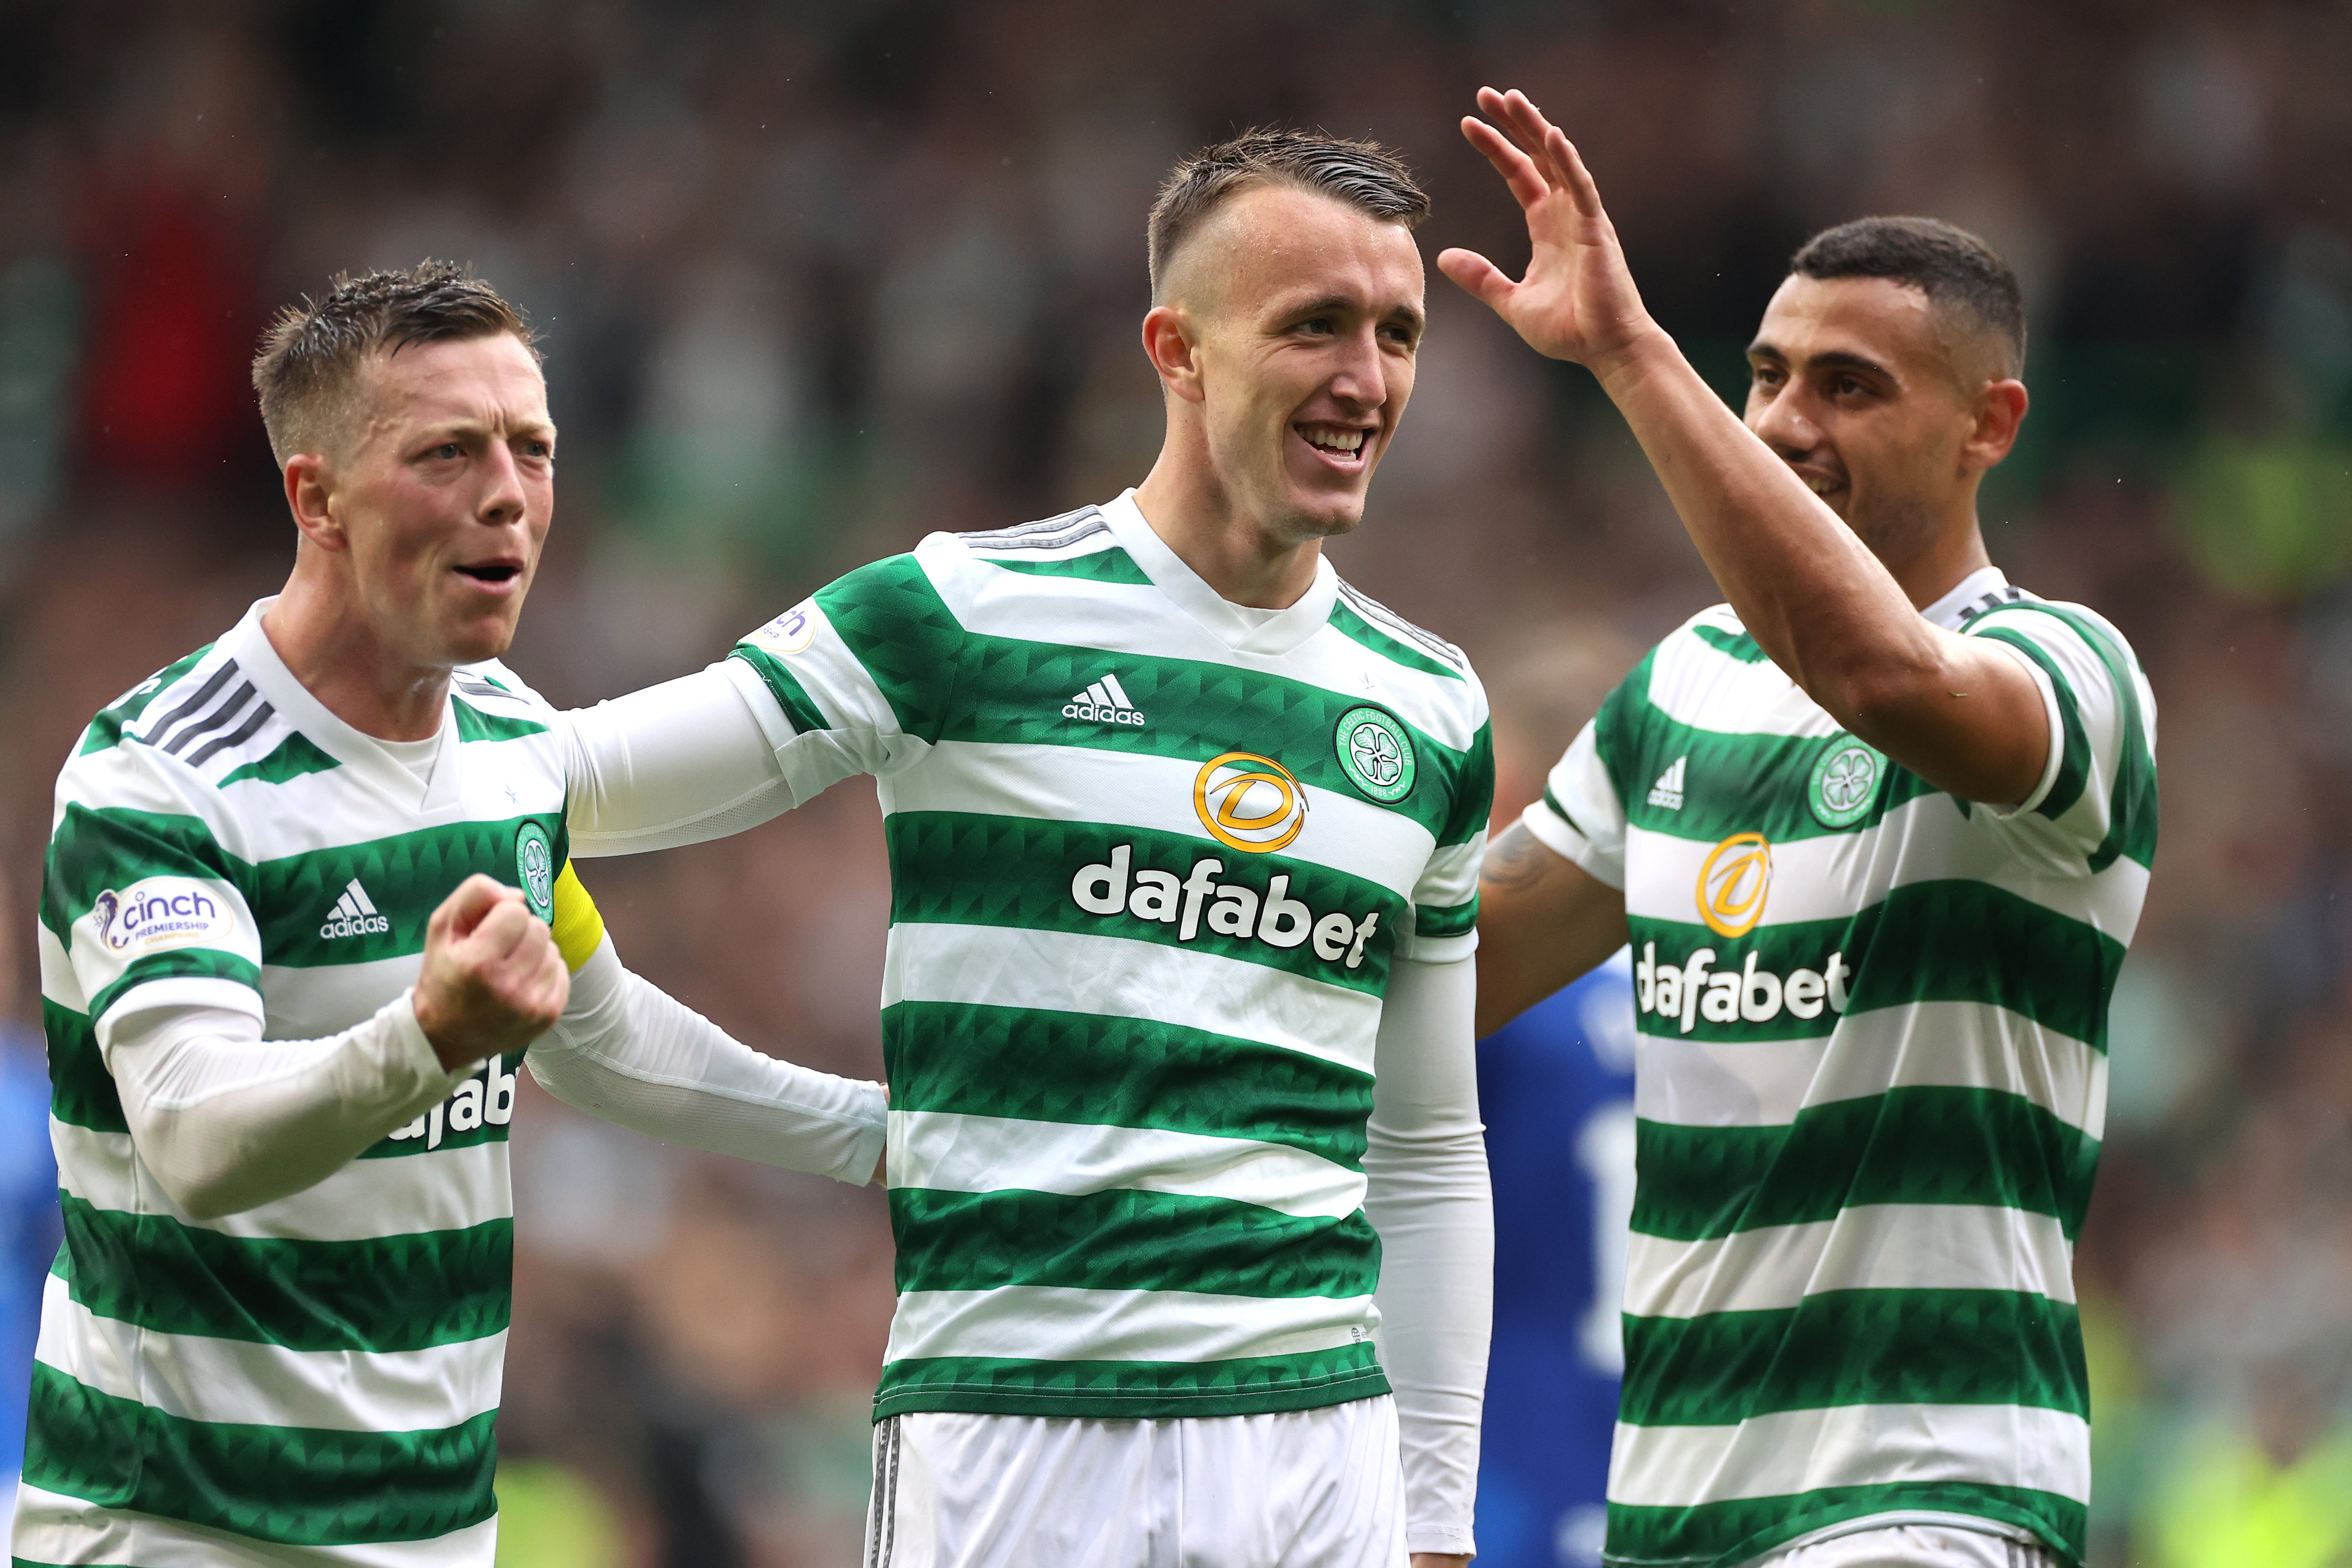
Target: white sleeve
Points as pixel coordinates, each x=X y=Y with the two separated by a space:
x=1579 y=815
x=226 y=1121
x=1428 y=1197
x=674 y=764
x=629 y=1052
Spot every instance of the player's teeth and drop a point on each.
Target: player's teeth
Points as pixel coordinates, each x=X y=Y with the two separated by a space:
x=1822 y=486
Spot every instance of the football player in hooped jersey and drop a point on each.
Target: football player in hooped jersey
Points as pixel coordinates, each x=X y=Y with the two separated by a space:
x=1880 y=828
x=306 y=911
x=1194 y=1237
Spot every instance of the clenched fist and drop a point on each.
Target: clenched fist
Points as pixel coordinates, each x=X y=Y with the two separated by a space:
x=493 y=981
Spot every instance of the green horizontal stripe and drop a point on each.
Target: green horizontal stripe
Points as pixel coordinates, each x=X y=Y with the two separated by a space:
x=785 y=687
x=196 y=963
x=1459 y=920
x=1718 y=1535
x=106 y=729
x=81 y=1091
x=1126 y=1241
x=967 y=868
x=406 y=876
x=1131 y=1390
x=386 y=1293
x=294 y=757
x=1395 y=650
x=1855 y=1347
x=1743 y=783
x=1922 y=1146
x=1739 y=645
x=944 y=682
x=1087 y=1068
x=1112 y=565
x=474 y=724
x=296 y=1486
x=1956 y=941
x=94 y=849
x=1473 y=791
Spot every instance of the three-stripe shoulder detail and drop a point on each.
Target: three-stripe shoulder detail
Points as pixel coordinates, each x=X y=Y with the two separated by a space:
x=198 y=728
x=1388 y=620
x=1051 y=533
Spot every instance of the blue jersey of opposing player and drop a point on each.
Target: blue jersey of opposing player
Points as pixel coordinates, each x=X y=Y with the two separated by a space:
x=28 y=1235
x=1555 y=1086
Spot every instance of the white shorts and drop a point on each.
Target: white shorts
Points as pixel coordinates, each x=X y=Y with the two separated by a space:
x=1296 y=1488
x=1912 y=1546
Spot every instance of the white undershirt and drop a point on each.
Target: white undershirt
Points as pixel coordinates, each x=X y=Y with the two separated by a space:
x=417 y=756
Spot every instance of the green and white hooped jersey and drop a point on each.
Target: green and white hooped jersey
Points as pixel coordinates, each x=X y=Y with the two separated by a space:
x=1870 y=1088
x=320 y=1372
x=1151 y=857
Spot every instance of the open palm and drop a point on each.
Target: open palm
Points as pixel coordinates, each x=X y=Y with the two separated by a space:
x=1578 y=300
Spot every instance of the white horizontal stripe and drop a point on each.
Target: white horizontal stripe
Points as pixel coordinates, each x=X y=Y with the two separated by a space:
x=444 y=1190
x=312 y=1003
x=1060 y=971
x=51 y=1527
x=1046 y=1322
x=60 y=983
x=1851 y=1445
x=1874 y=1247
x=1832 y=875
x=1694 y=682
x=1142 y=621
x=1920 y=1045
x=200 y=1378
x=994 y=1153
x=1074 y=783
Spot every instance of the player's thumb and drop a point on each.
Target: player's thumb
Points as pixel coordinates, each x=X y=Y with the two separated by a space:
x=1476 y=276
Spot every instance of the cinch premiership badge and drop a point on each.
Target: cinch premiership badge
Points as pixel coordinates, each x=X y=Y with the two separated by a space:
x=1845 y=781
x=1375 y=754
x=535 y=870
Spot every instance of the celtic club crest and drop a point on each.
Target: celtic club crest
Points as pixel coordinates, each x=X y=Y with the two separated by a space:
x=1375 y=753
x=1845 y=782
x=535 y=870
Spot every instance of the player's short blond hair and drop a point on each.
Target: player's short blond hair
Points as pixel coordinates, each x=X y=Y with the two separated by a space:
x=307 y=371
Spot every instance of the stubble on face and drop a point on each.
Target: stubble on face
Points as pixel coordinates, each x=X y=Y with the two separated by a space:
x=1308 y=312
x=1880 y=405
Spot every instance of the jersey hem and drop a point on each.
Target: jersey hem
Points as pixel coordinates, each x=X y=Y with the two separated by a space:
x=1150 y=1405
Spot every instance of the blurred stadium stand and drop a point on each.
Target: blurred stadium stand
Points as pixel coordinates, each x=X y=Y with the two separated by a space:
x=815 y=280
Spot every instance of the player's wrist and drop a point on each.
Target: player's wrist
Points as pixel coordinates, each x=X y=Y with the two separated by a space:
x=1644 y=352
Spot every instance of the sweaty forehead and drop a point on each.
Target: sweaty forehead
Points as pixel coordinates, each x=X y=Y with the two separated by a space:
x=1275 y=241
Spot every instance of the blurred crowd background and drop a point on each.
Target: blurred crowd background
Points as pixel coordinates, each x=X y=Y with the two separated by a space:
x=817 y=279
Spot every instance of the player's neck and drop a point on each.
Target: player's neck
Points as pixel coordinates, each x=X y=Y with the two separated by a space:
x=1231 y=550
x=324 y=637
x=1943 y=563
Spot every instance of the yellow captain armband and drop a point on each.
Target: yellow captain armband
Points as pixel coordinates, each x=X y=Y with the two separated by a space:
x=577 y=925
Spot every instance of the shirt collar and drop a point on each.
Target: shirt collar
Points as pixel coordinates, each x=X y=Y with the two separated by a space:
x=250 y=646
x=1242 y=629
x=1971 y=597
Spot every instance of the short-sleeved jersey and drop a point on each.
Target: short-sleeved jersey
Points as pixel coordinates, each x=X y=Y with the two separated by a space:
x=1151 y=858
x=320 y=1372
x=1870 y=1088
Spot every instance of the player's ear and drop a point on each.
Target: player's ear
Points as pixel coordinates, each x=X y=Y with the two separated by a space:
x=1167 y=340
x=310 y=496
x=1999 y=409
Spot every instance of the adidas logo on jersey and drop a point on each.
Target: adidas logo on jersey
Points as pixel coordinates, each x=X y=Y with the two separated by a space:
x=355 y=915
x=1105 y=702
x=1667 y=792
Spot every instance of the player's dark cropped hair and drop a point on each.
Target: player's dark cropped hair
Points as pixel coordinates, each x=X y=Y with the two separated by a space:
x=1364 y=174
x=308 y=366
x=1960 y=274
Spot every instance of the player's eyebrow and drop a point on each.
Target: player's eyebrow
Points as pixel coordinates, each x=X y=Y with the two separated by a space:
x=1828 y=358
x=1341 y=302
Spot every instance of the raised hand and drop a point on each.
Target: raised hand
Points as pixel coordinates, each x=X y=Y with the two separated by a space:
x=1578 y=300
x=493 y=981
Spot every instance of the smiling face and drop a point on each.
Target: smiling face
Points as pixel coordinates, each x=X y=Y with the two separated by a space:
x=1889 y=412
x=1304 y=314
x=444 y=498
